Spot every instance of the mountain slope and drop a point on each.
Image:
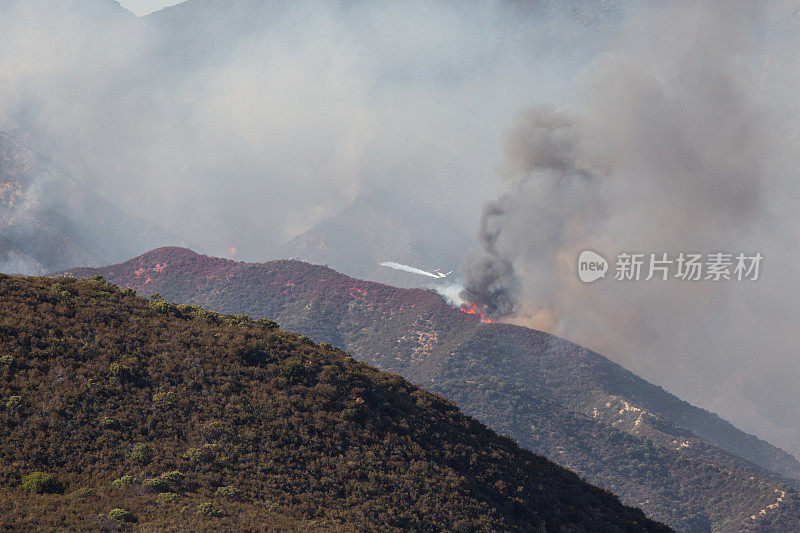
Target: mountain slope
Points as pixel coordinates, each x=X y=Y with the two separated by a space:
x=178 y=417
x=49 y=221
x=556 y=398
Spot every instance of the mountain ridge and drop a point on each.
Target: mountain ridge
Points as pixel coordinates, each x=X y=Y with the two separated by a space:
x=433 y=301
x=415 y=333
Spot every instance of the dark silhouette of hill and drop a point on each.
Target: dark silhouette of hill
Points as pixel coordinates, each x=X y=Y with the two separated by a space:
x=683 y=465
x=117 y=410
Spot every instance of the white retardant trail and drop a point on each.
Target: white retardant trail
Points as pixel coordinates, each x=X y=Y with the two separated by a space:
x=398 y=266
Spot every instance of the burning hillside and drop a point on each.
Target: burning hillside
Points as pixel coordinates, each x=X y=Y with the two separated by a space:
x=473 y=309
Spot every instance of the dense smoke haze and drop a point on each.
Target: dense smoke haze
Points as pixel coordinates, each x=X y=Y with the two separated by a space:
x=676 y=143
x=535 y=131
x=270 y=117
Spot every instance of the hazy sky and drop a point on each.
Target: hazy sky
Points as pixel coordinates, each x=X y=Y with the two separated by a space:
x=145 y=7
x=651 y=130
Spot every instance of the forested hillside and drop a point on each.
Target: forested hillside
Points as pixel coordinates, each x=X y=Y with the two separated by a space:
x=117 y=410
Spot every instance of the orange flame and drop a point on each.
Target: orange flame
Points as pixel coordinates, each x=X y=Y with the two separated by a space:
x=472 y=309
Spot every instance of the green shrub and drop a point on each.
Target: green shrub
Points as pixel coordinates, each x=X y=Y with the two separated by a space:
x=203 y=454
x=237 y=320
x=355 y=410
x=165 y=399
x=123 y=482
x=208 y=510
x=123 y=515
x=190 y=310
x=142 y=454
x=107 y=422
x=351 y=414
x=215 y=430
x=120 y=372
x=208 y=315
x=228 y=491
x=127 y=291
x=83 y=493
x=42 y=483
x=164 y=307
x=60 y=289
x=166 y=482
x=267 y=323
x=293 y=368
x=156 y=484
x=174 y=477
x=97 y=279
x=7 y=359
x=13 y=402
x=168 y=497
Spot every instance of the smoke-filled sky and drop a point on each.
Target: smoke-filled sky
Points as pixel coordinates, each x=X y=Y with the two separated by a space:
x=268 y=117
x=646 y=127
x=145 y=7
x=680 y=141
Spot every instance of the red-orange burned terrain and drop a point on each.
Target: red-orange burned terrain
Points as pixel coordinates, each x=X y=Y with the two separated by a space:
x=272 y=288
x=681 y=464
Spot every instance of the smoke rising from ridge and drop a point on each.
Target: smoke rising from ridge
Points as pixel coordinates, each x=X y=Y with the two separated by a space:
x=541 y=166
x=675 y=145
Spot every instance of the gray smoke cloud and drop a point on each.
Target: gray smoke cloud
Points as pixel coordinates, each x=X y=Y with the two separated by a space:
x=267 y=118
x=540 y=165
x=681 y=140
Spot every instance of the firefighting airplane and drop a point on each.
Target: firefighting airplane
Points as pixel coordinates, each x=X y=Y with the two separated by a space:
x=414 y=270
